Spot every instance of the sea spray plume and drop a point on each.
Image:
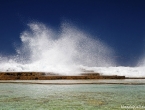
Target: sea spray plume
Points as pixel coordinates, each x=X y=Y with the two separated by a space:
x=87 y=51
x=42 y=51
x=35 y=42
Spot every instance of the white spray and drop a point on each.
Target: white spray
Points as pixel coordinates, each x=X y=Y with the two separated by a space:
x=64 y=52
x=68 y=52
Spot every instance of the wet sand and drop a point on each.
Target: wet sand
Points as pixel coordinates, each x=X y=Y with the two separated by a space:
x=90 y=81
x=53 y=78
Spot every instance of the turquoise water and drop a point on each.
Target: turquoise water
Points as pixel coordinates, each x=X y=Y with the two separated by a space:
x=20 y=96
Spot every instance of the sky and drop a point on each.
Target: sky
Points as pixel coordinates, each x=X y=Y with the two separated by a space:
x=118 y=23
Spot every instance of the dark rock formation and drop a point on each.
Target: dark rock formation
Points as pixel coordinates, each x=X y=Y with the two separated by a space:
x=52 y=76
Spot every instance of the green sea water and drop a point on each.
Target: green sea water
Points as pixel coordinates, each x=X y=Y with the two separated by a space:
x=21 y=96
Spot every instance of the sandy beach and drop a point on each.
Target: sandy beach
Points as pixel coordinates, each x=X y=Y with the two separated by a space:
x=90 y=81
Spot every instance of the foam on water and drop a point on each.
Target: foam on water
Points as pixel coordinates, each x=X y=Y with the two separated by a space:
x=68 y=51
x=120 y=70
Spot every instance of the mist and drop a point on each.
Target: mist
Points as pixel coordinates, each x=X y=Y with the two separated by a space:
x=67 y=50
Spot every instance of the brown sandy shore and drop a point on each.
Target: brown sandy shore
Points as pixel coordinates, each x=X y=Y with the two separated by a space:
x=51 y=78
x=71 y=82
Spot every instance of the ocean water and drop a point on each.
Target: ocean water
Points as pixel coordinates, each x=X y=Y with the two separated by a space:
x=68 y=51
x=22 y=96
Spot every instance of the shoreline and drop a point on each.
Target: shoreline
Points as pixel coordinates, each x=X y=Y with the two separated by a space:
x=54 y=76
x=77 y=82
x=55 y=79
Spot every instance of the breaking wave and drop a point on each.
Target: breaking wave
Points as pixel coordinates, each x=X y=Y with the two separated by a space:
x=66 y=51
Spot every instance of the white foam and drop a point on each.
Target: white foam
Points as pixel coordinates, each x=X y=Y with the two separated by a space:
x=63 y=52
x=43 y=49
x=120 y=71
